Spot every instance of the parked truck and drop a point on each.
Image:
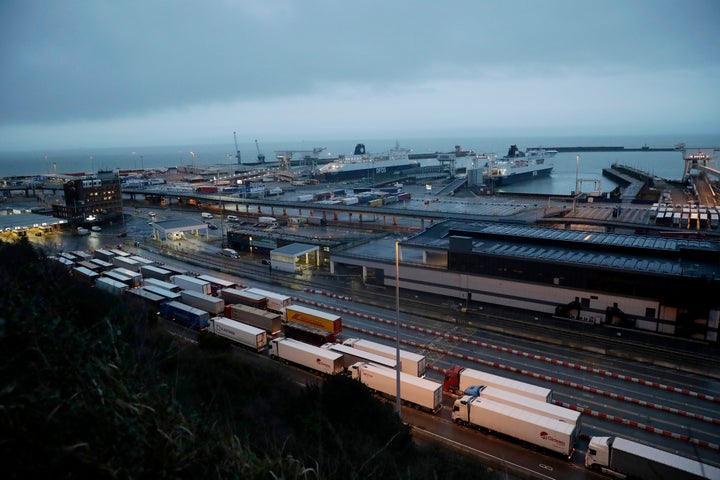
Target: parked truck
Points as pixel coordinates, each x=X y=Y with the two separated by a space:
x=269 y=321
x=459 y=379
x=627 y=459
x=314 y=318
x=213 y=305
x=418 y=392
x=240 y=333
x=516 y=423
x=186 y=282
x=410 y=362
x=311 y=357
x=158 y=273
x=185 y=315
x=546 y=409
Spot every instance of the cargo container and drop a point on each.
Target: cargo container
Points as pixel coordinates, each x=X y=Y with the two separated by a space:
x=185 y=315
x=186 y=282
x=545 y=409
x=85 y=275
x=314 y=318
x=129 y=282
x=240 y=333
x=311 y=335
x=418 y=392
x=136 y=276
x=459 y=379
x=352 y=356
x=275 y=301
x=311 y=357
x=148 y=296
x=102 y=264
x=243 y=297
x=111 y=286
x=516 y=423
x=269 y=321
x=167 y=294
x=627 y=459
x=161 y=284
x=127 y=262
x=104 y=255
x=213 y=305
x=217 y=283
x=151 y=271
x=410 y=362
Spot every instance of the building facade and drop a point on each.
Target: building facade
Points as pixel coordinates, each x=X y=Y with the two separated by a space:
x=91 y=199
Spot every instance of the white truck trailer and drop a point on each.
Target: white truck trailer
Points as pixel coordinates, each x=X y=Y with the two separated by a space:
x=314 y=358
x=627 y=459
x=275 y=301
x=161 y=284
x=271 y=322
x=186 y=282
x=419 y=392
x=135 y=276
x=111 y=286
x=353 y=355
x=152 y=271
x=410 y=362
x=245 y=335
x=459 y=379
x=516 y=423
x=212 y=305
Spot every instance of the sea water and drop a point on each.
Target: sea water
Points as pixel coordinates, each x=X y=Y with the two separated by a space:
x=585 y=166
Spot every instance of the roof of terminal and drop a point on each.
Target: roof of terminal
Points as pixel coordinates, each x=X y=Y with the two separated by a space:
x=653 y=255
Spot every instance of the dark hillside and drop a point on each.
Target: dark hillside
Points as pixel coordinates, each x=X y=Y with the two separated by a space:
x=94 y=387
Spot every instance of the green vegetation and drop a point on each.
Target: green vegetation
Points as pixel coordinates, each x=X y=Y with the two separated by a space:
x=93 y=387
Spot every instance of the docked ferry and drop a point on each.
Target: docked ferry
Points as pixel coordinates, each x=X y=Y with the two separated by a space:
x=518 y=166
x=365 y=165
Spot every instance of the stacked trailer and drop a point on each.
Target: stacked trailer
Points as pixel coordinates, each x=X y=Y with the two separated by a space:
x=311 y=317
x=410 y=362
x=317 y=359
x=269 y=321
x=352 y=356
x=213 y=305
x=243 y=297
x=240 y=333
x=216 y=284
x=418 y=392
x=276 y=302
x=459 y=379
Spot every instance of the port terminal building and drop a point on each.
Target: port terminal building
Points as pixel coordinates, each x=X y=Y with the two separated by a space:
x=658 y=284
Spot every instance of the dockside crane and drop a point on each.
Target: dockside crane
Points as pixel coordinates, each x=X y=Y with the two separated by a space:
x=261 y=156
x=237 y=150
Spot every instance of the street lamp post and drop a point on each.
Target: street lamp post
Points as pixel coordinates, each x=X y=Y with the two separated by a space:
x=397 y=328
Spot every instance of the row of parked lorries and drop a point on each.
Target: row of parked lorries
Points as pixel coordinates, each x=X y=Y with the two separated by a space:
x=268 y=322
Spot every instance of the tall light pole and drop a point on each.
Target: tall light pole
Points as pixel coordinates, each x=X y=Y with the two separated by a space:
x=397 y=328
x=575 y=196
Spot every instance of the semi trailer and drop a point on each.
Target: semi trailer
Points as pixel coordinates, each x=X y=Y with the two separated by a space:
x=459 y=379
x=314 y=358
x=516 y=423
x=418 y=392
x=246 y=335
x=213 y=305
x=627 y=459
x=185 y=315
x=314 y=318
x=269 y=321
x=410 y=362
x=186 y=282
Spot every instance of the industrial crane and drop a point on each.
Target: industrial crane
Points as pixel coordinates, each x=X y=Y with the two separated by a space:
x=261 y=156
x=237 y=150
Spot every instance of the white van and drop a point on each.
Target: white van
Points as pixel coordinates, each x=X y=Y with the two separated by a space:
x=207 y=215
x=232 y=218
x=229 y=252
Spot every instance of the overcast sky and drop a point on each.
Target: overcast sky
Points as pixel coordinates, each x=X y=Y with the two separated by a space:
x=78 y=73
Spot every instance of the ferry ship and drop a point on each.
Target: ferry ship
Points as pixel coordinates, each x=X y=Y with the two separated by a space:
x=364 y=165
x=518 y=166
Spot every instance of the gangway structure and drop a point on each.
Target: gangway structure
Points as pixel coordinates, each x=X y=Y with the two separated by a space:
x=699 y=159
